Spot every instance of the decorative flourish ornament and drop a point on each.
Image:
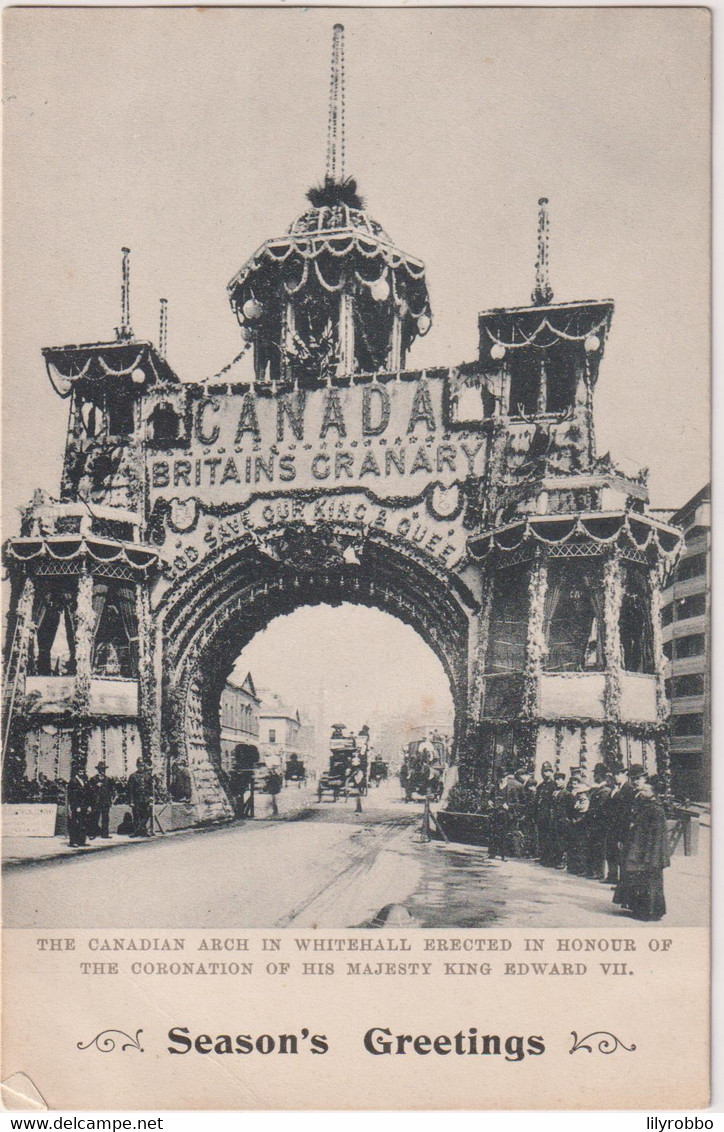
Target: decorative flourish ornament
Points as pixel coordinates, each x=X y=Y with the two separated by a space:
x=106 y=1043
x=607 y=1042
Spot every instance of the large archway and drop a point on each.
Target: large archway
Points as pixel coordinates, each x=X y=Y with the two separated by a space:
x=216 y=609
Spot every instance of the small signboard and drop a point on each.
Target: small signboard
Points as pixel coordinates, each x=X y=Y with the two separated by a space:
x=29 y=820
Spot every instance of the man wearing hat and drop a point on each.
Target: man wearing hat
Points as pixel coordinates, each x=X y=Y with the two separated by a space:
x=544 y=792
x=100 y=794
x=617 y=810
x=140 y=795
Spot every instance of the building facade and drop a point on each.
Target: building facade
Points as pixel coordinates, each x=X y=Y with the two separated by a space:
x=686 y=619
x=468 y=500
x=239 y=718
x=280 y=732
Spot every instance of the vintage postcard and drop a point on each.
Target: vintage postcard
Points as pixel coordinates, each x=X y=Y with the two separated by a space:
x=356 y=546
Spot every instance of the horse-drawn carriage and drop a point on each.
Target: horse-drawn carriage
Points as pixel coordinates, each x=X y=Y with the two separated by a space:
x=295 y=771
x=348 y=766
x=421 y=773
x=379 y=771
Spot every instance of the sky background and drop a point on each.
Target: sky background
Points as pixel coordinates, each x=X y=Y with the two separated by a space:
x=192 y=135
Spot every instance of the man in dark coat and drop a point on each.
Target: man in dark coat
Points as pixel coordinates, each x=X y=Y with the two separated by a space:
x=100 y=793
x=618 y=814
x=78 y=808
x=644 y=856
x=140 y=796
x=517 y=798
x=598 y=797
x=545 y=790
x=561 y=803
x=578 y=833
x=500 y=820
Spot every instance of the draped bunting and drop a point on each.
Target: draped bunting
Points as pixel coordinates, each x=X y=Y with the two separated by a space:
x=603 y=529
x=66 y=550
x=344 y=246
x=543 y=327
x=68 y=365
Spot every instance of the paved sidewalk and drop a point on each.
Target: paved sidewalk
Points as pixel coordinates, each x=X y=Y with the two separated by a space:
x=27 y=850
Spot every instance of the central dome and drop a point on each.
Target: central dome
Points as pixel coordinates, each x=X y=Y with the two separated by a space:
x=333 y=296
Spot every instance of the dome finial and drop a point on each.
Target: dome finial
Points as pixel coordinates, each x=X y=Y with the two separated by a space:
x=335 y=129
x=543 y=292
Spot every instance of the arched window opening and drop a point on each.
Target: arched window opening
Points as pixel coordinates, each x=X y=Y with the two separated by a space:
x=574 y=617
x=55 y=619
x=508 y=630
x=164 y=422
x=637 y=638
x=115 y=643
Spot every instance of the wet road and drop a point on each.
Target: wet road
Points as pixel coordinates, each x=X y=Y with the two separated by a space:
x=327 y=867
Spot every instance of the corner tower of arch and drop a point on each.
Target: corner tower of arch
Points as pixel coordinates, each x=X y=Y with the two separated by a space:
x=467 y=500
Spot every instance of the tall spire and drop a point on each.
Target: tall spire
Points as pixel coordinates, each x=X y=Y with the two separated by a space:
x=162 y=327
x=543 y=292
x=124 y=330
x=335 y=129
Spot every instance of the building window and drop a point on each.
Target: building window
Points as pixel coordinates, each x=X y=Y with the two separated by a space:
x=689 y=724
x=524 y=383
x=573 y=616
x=637 y=638
x=560 y=379
x=669 y=650
x=164 y=422
x=115 y=643
x=690 y=646
x=508 y=630
x=694 y=534
x=55 y=617
x=694 y=606
x=692 y=567
x=667 y=614
x=692 y=684
x=272 y=735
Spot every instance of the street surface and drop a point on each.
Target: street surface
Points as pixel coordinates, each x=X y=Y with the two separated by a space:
x=319 y=866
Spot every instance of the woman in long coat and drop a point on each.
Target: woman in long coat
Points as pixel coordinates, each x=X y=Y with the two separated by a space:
x=644 y=857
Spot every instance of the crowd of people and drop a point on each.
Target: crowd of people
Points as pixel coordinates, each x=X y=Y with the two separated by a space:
x=612 y=830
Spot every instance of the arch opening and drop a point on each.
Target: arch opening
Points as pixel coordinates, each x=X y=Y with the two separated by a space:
x=237 y=594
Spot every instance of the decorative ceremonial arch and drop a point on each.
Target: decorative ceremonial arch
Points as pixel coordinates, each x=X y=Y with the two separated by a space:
x=206 y=618
x=317 y=467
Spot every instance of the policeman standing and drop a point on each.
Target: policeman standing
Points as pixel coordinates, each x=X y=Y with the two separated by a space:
x=140 y=795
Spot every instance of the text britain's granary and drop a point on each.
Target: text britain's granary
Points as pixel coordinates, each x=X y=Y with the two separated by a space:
x=469 y=501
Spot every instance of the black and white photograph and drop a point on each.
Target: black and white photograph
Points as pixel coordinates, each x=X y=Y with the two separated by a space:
x=356 y=475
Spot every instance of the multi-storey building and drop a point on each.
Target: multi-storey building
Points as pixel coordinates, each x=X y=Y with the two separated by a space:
x=685 y=615
x=239 y=717
x=280 y=731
